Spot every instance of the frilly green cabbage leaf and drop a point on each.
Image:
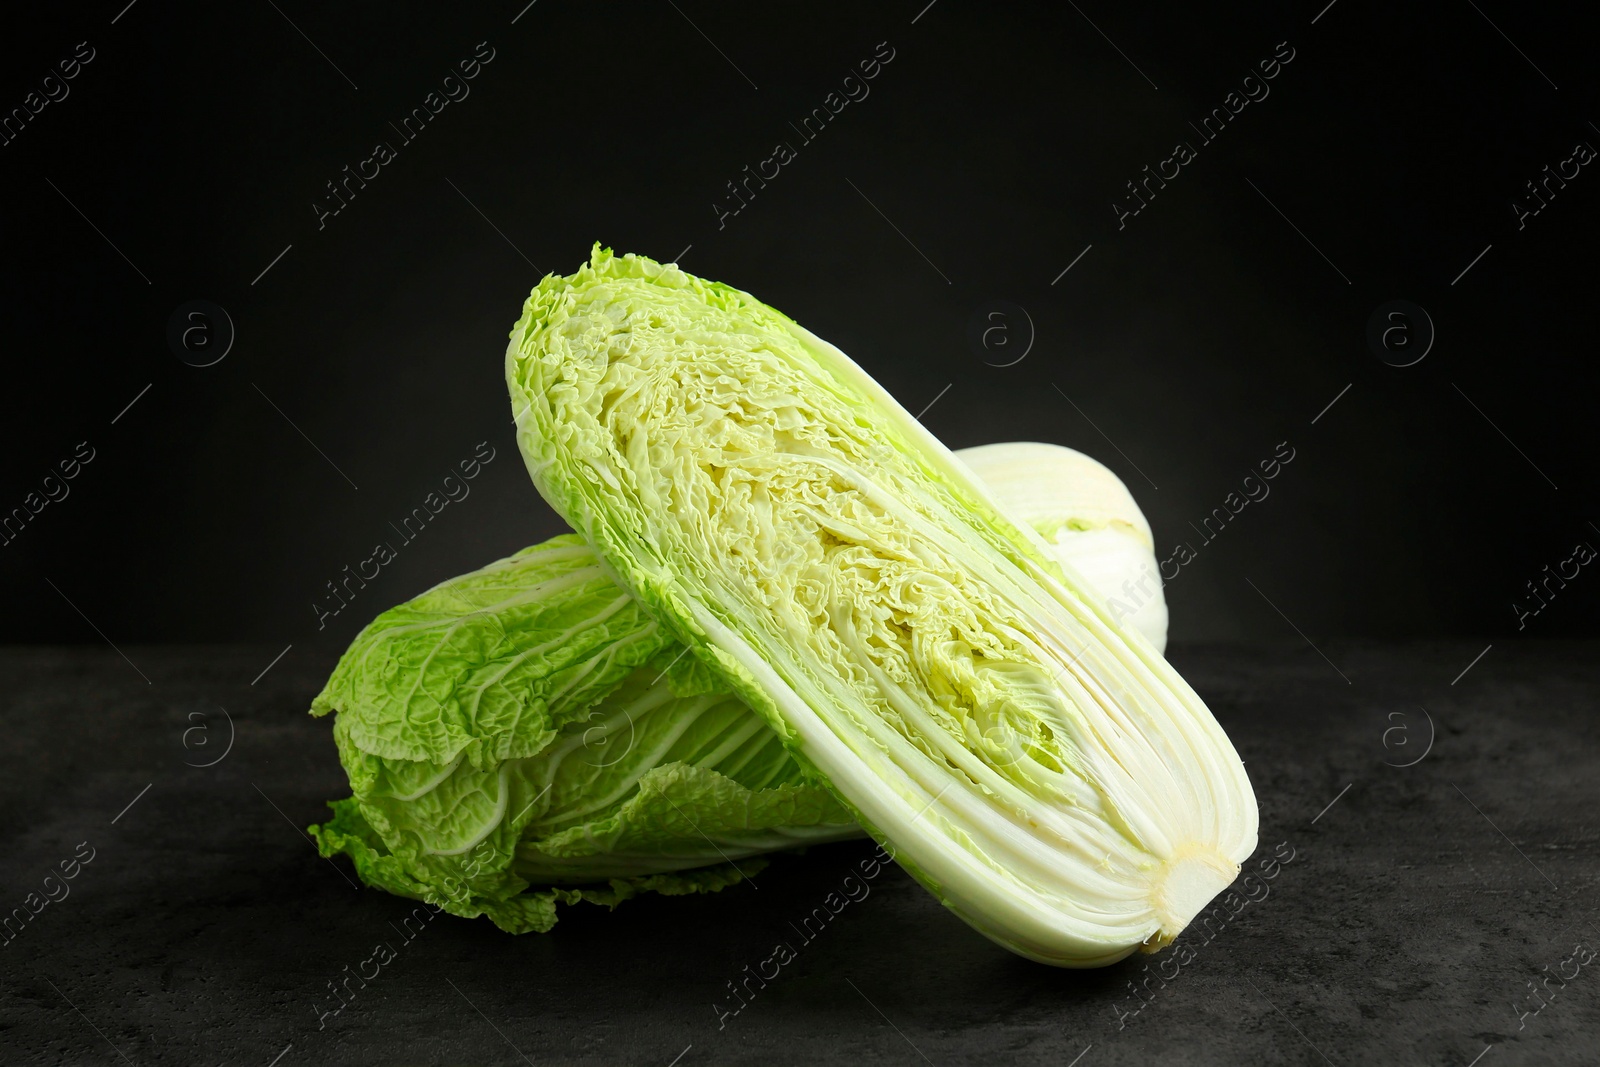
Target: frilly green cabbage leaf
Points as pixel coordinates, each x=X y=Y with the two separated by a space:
x=525 y=735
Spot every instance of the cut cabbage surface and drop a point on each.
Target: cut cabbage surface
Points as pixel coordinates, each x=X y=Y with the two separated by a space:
x=1038 y=767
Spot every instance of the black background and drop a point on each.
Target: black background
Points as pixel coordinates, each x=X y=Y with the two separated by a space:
x=1196 y=338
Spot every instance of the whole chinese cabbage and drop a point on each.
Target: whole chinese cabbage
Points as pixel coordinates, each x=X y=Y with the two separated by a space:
x=526 y=735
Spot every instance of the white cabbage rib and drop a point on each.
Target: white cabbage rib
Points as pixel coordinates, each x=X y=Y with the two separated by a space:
x=1054 y=782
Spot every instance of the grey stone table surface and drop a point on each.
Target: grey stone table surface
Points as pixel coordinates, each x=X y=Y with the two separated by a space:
x=1433 y=913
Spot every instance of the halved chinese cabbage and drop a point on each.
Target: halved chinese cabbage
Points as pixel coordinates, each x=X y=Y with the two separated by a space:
x=1041 y=770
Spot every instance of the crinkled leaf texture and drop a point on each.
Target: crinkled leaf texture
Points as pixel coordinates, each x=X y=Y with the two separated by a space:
x=526 y=735
x=1039 y=768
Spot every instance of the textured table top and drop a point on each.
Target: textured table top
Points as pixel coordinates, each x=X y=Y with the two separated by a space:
x=1427 y=913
